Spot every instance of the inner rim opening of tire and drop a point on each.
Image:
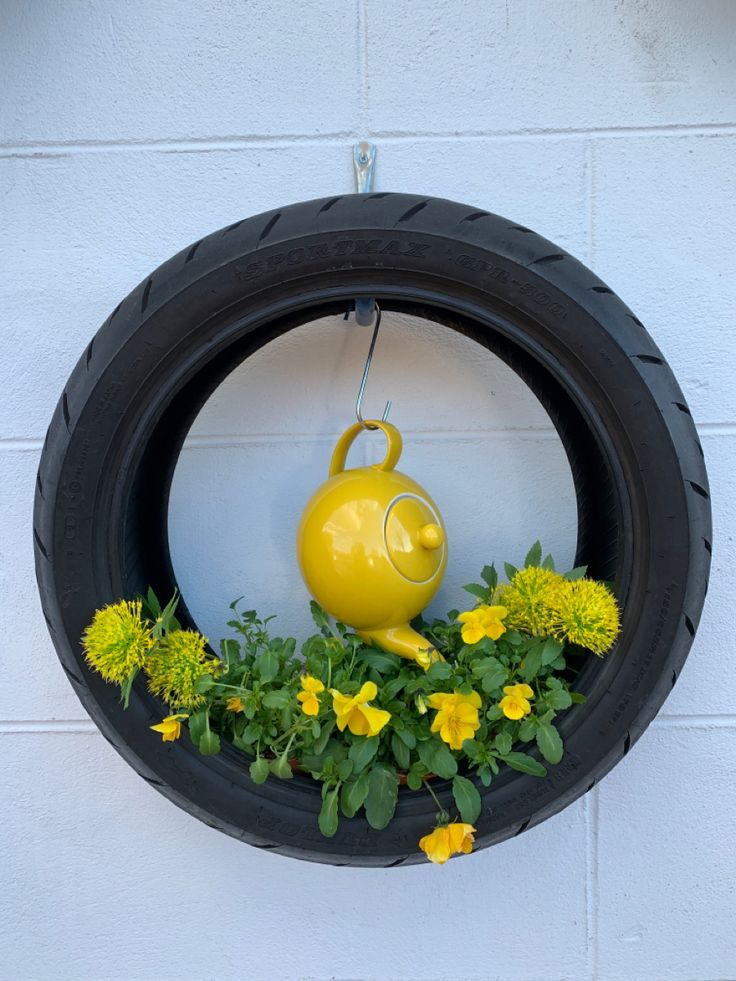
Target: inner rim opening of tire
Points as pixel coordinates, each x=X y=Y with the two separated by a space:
x=139 y=517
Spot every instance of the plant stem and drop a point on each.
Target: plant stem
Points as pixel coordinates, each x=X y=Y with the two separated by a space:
x=443 y=816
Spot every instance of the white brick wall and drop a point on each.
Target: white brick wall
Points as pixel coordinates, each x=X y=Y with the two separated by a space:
x=128 y=130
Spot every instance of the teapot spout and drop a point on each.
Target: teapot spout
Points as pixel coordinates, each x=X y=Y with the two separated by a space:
x=405 y=642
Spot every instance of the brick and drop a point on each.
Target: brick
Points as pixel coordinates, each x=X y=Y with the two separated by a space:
x=502 y=67
x=665 y=900
x=664 y=209
x=154 y=71
x=80 y=825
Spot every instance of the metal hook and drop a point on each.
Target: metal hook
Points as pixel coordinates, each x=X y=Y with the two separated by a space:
x=361 y=390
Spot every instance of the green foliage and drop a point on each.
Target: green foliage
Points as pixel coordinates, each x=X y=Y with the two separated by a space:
x=249 y=700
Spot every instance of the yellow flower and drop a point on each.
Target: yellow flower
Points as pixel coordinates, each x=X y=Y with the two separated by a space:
x=311 y=688
x=176 y=665
x=457 y=718
x=450 y=839
x=170 y=727
x=117 y=641
x=588 y=615
x=235 y=704
x=483 y=621
x=515 y=704
x=354 y=712
x=532 y=598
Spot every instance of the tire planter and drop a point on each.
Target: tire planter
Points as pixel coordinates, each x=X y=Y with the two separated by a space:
x=100 y=522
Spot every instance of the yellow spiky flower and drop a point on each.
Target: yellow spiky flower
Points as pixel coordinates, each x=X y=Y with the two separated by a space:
x=588 y=615
x=531 y=599
x=176 y=665
x=117 y=641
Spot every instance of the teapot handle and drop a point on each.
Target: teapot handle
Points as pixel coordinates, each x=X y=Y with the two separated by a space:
x=393 y=451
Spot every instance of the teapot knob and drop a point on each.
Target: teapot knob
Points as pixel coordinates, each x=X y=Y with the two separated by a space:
x=431 y=536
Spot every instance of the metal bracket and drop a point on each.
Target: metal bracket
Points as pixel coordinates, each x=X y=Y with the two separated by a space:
x=364 y=158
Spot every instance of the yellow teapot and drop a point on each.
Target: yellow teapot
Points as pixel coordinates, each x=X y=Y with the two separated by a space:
x=372 y=548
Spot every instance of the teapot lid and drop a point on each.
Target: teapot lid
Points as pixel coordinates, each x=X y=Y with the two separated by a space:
x=415 y=539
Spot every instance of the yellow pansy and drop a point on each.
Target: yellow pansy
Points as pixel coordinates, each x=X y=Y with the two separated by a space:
x=484 y=621
x=235 y=704
x=170 y=727
x=355 y=713
x=311 y=688
x=515 y=704
x=450 y=839
x=457 y=716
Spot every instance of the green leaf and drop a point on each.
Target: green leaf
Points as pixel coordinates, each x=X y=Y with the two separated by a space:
x=534 y=555
x=489 y=577
x=415 y=775
x=475 y=589
x=560 y=699
x=513 y=637
x=437 y=758
x=253 y=731
x=503 y=743
x=439 y=671
x=321 y=741
x=510 y=570
x=153 y=604
x=527 y=729
x=381 y=661
x=551 y=650
x=267 y=665
x=230 y=650
x=259 y=770
x=168 y=620
x=281 y=768
x=383 y=792
x=204 y=683
x=532 y=663
x=328 y=816
x=197 y=723
x=320 y=617
x=209 y=743
x=577 y=573
x=550 y=743
x=525 y=764
x=491 y=672
x=344 y=769
x=353 y=794
x=126 y=687
x=392 y=688
x=362 y=752
x=548 y=563
x=484 y=772
x=578 y=698
x=467 y=799
x=277 y=699
x=400 y=751
x=408 y=738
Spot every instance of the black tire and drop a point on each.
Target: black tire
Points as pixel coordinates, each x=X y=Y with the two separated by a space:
x=643 y=506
